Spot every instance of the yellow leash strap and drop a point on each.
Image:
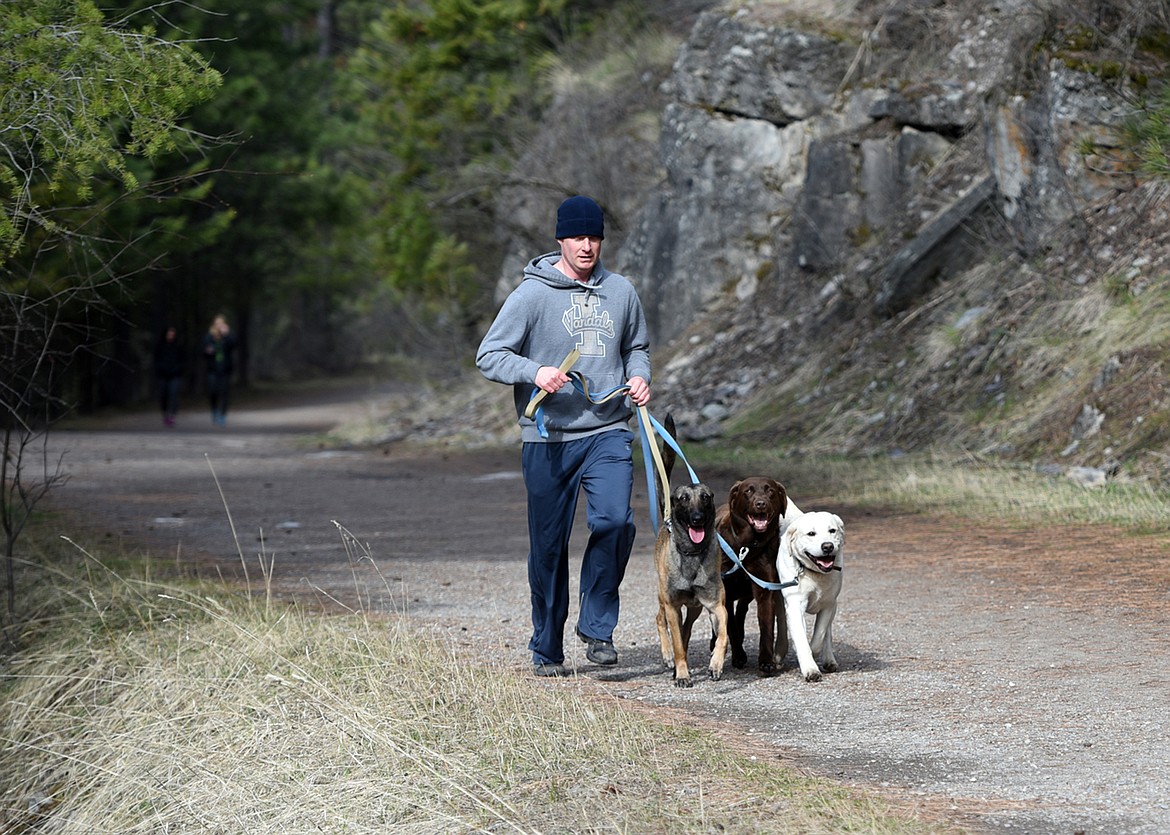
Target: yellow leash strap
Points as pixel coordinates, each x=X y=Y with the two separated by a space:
x=649 y=439
x=569 y=361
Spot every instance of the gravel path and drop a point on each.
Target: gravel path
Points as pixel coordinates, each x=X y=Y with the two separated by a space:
x=1001 y=680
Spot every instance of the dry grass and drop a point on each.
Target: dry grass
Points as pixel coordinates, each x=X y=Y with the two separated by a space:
x=139 y=706
x=958 y=487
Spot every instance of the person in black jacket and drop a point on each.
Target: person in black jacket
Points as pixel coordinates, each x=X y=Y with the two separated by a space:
x=170 y=364
x=219 y=345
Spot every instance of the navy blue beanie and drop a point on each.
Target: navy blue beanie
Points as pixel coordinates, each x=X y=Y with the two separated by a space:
x=580 y=216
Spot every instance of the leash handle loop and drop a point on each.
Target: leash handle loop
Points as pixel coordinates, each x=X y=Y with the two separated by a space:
x=535 y=408
x=538 y=396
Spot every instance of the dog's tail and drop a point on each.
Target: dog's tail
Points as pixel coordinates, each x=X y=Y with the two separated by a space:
x=668 y=458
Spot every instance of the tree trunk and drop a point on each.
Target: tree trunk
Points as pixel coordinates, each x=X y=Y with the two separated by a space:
x=326 y=29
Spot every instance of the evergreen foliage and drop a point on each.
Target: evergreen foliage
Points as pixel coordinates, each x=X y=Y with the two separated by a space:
x=445 y=86
x=1148 y=133
x=288 y=163
x=82 y=98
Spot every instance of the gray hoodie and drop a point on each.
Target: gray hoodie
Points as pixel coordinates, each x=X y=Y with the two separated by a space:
x=547 y=316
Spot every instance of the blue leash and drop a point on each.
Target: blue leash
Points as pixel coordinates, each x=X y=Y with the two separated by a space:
x=648 y=426
x=736 y=559
x=582 y=385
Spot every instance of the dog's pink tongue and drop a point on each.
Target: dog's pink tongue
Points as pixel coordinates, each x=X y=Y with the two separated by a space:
x=759 y=522
x=697 y=535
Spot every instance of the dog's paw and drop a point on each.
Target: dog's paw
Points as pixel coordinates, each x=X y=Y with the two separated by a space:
x=767 y=668
x=829 y=667
x=683 y=682
x=738 y=659
x=811 y=674
x=715 y=674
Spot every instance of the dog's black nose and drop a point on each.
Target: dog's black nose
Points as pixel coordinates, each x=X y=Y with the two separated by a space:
x=827 y=547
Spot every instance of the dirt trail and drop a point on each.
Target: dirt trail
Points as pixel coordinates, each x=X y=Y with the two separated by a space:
x=1004 y=680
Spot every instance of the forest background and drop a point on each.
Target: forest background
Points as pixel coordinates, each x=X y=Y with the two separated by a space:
x=321 y=171
x=355 y=184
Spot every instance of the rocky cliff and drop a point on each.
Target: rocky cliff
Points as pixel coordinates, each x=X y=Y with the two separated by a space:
x=901 y=227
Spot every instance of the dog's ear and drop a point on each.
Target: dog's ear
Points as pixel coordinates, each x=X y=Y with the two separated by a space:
x=707 y=500
x=839 y=523
x=735 y=496
x=668 y=459
x=790 y=535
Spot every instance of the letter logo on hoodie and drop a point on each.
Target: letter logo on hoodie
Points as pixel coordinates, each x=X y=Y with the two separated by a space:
x=589 y=324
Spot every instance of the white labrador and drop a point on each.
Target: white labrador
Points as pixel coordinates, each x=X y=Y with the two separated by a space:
x=811 y=553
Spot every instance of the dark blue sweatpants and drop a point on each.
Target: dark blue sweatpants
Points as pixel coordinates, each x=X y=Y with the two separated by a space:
x=554 y=474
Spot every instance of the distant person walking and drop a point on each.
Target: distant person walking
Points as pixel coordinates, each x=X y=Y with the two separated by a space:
x=170 y=364
x=219 y=346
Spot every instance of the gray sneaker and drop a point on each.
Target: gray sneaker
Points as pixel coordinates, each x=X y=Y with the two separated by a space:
x=598 y=651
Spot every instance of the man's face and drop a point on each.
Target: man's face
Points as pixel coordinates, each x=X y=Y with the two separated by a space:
x=581 y=254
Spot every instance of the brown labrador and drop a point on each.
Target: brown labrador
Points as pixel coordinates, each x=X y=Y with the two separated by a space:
x=752 y=519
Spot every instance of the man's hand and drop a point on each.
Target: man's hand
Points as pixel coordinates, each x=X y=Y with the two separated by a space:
x=551 y=379
x=639 y=391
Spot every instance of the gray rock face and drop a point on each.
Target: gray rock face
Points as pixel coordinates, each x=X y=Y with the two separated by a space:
x=948 y=108
x=731 y=183
x=1036 y=150
x=758 y=72
x=814 y=195
x=734 y=144
x=775 y=169
x=941 y=243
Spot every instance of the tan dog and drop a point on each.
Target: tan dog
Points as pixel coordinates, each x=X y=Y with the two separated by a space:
x=753 y=519
x=687 y=556
x=811 y=553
